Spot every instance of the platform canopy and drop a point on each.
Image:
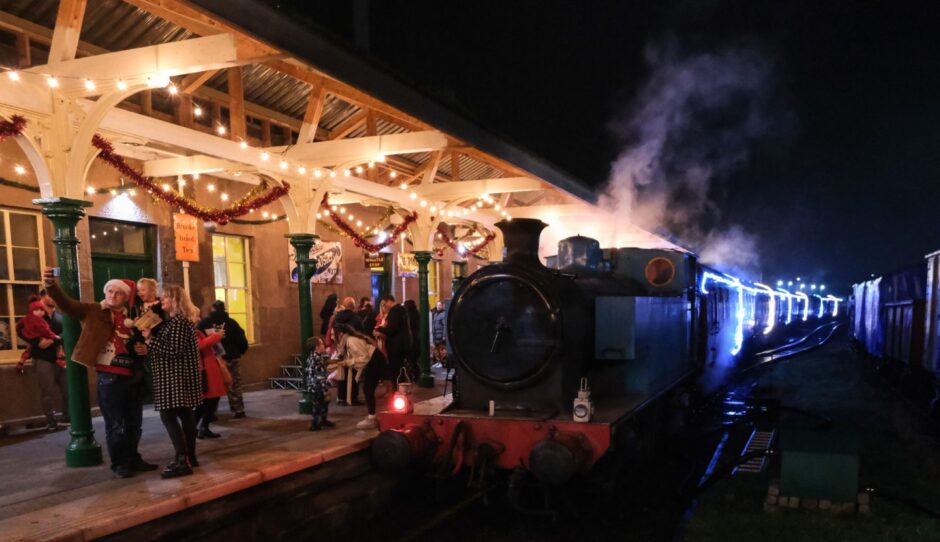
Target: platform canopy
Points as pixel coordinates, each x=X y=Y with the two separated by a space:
x=239 y=91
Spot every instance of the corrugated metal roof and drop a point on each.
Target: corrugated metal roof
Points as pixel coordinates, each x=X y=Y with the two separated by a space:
x=115 y=25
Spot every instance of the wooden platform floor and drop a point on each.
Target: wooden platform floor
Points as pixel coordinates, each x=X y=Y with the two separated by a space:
x=42 y=499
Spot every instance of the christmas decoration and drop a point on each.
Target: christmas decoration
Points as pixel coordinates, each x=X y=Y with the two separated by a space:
x=254 y=199
x=457 y=245
x=12 y=127
x=359 y=240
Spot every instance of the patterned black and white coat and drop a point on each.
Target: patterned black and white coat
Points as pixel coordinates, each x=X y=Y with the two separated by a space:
x=174 y=362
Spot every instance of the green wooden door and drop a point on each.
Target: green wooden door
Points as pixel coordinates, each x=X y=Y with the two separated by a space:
x=120 y=250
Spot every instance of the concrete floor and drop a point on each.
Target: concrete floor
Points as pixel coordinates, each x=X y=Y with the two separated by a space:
x=43 y=499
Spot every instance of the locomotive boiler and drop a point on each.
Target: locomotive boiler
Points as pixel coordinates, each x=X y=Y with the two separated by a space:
x=555 y=364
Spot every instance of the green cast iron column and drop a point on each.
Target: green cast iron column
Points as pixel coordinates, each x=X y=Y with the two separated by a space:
x=425 y=380
x=302 y=243
x=83 y=450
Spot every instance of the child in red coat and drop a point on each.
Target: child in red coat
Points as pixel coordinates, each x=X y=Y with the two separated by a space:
x=213 y=383
x=34 y=326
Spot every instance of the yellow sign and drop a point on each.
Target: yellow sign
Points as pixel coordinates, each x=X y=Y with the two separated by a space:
x=185 y=228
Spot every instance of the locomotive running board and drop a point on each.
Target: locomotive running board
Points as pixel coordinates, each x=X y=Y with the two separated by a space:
x=760 y=441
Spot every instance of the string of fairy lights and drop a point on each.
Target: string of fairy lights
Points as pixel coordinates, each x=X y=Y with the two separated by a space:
x=161 y=81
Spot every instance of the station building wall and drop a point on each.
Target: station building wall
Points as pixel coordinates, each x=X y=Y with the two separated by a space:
x=274 y=313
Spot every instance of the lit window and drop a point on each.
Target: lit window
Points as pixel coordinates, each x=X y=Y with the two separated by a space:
x=21 y=259
x=433 y=283
x=230 y=261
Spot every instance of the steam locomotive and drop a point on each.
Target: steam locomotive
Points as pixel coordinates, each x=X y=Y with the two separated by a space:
x=555 y=363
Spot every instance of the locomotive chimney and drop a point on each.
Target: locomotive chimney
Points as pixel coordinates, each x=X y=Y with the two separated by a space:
x=521 y=238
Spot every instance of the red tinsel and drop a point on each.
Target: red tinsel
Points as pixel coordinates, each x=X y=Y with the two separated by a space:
x=361 y=241
x=472 y=249
x=12 y=127
x=206 y=214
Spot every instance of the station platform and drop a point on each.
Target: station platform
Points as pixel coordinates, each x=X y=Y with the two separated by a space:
x=42 y=499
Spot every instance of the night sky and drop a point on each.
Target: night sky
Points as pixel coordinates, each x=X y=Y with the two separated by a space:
x=844 y=183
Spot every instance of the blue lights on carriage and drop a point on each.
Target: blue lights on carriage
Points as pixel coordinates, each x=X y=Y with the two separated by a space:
x=771 y=307
x=805 y=299
x=789 y=297
x=822 y=306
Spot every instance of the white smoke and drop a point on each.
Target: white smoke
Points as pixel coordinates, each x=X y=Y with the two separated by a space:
x=691 y=125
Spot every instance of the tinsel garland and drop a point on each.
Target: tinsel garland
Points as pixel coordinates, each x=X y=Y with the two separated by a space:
x=239 y=208
x=468 y=249
x=359 y=240
x=12 y=127
x=257 y=222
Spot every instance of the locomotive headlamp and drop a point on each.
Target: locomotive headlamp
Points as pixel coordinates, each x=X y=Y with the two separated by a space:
x=583 y=405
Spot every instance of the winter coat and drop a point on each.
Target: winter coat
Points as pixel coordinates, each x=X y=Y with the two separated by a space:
x=209 y=365
x=50 y=353
x=353 y=352
x=235 y=342
x=174 y=364
x=395 y=329
x=438 y=326
x=98 y=325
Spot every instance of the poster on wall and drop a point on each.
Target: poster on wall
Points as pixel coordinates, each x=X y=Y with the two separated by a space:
x=329 y=256
x=374 y=262
x=407 y=265
x=185 y=230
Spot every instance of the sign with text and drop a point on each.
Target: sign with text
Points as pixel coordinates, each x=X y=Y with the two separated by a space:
x=374 y=262
x=185 y=229
x=407 y=265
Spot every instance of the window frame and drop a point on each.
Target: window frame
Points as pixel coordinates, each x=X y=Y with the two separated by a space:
x=13 y=355
x=248 y=288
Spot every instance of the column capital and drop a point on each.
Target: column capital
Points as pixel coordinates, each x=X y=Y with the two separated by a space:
x=63 y=207
x=422 y=256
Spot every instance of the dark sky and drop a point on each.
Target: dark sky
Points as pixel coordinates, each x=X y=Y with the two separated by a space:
x=848 y=186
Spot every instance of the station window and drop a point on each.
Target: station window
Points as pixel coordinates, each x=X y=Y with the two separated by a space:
x=232 y=271
x=21 y=261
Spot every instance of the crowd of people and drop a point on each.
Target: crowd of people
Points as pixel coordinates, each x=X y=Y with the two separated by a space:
x=146 y=341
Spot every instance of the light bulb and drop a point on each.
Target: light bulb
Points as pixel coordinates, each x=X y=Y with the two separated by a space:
x=346 y=173
x=359 y=223
x=52 y=82
x=114 y=193
x=393 y=174
x=220 y=130
x=13 y=75
x=317 y=173
x=433 y=209
x=413 y=195
x=89 y=84
x=319 y=214
x=172 y=90
x=358 y=169
x=210 y=187
x=197 y=111
x=132 y=192
x=195 y=176
x=224 y=196
x=371 y=164
x=332 y=174
x=243 y=145
x=19 y=169
x=284 y=164
x=90 y=190
x=403 y=186
x=265 y=214
x=497 y=207
x=301 y=170
x=424 y=203
x=265 y=156
x=166 y=187
x=122 y=85
x=273 y=216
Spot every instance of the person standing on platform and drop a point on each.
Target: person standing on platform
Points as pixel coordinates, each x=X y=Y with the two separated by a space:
x=329 y=307
x=414 y=347
x=106 y=344
x=177 y=387
x=364 y=312
x=360 y=352
x=45 y=355
x=213 y=383
x=439 y=333
x=235 y=344
x=394 y=335
x=317 y=385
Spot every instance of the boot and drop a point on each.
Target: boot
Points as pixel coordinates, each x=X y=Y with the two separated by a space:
x=180 y=467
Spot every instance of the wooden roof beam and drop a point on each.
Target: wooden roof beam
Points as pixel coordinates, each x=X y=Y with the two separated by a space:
x=193 y=81
x=349 y=125
x=68 y=26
